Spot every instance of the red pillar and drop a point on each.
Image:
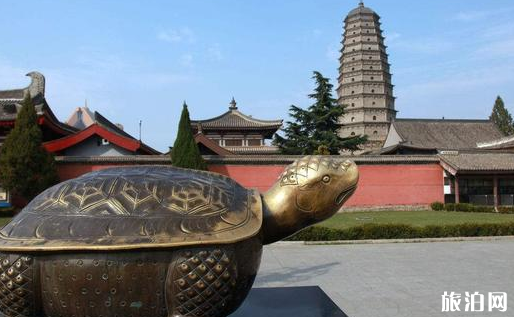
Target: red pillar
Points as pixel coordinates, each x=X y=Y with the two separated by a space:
x=457 y=198
x=495 y=192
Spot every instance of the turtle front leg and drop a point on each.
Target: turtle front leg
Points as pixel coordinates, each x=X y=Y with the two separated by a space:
x=18 y=285
x=201 y=282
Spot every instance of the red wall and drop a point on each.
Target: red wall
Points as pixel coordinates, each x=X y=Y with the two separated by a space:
x=379 y=185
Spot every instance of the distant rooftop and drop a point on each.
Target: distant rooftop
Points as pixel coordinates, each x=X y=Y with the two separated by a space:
x=11 y=100
x=444 y=133
x=233 y=119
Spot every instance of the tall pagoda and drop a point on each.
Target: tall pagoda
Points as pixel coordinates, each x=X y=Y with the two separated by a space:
x=365 y=87
x=235 y=133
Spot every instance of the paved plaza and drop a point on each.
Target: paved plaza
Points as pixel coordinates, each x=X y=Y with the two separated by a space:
x=394 y=280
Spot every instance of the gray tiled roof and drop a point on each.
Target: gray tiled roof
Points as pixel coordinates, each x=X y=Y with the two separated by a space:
x=360 y=10
x=9 y=109
x=479 y=161
x=10 y=100
x=12 y=94
x=234 y=119
x=104 y=122
x=445 y=134
x=264 y=149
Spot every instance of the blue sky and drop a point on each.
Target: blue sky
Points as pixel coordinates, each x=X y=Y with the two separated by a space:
x=139 y=60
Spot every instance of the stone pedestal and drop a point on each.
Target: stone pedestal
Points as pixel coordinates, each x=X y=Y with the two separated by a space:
x=304 y=301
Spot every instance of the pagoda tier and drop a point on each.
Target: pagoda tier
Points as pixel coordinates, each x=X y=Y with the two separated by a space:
x=365 y=87
x=238 y=132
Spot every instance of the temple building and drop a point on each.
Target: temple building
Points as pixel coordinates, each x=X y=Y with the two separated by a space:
x=96 y=136
x=365 y=87
x=11 y=102
x=235 y=133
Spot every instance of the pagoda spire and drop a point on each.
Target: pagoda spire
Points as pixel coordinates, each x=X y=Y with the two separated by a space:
x=361 y=3
x=233 y=104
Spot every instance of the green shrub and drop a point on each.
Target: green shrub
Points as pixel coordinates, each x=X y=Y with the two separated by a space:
x=449 y=207
x=401 y=231
x=464 y=207
x=479 y=208
x=506 y=209
x=437 y=206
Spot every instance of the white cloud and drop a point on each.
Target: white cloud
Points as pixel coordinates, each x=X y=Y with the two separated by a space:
x=473 y=16
x=317 y=32
x=186 y=60
x=500 y=48
x=214 y=52
x=391 y=37
x=13 y=76
x=96 y=61
x=428 y=46
x=183 y=34
x=333 y=53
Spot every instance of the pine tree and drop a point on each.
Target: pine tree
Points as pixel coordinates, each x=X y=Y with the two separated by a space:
x=185 y=152
x=502 y=118
x=315 y=130
x=296 y=134
x=26 y=168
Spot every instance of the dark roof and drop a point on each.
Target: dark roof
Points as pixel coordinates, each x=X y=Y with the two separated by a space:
x=445 y=134
x=462 y=162
x=108 y=125
x=397 y=149
x=253 y=150
x=12 y=94
x=233 y=119
x=104 y=122
x=361 y=9
x=210 y=145
x=10 y=100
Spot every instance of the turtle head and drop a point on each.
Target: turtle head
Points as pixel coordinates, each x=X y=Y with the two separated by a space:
x=310 y=190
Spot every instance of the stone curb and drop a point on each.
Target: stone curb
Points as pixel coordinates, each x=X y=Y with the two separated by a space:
x=384 y=241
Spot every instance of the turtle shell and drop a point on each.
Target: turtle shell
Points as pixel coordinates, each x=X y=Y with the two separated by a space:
x=136 y=207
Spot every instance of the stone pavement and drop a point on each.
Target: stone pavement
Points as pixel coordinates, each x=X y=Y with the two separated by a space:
x=394 y=280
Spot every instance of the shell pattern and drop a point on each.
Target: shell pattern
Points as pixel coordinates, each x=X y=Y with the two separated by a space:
x=136 y=206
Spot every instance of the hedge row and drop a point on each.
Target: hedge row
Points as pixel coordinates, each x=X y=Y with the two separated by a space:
x=399 y=231
x=470 y=208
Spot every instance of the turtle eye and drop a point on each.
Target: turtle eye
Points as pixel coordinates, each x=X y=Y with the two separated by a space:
x=326 y=179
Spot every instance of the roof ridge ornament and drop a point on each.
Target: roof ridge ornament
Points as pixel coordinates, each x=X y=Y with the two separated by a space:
x=361 y=3
x=37 y=85
x=233 y=104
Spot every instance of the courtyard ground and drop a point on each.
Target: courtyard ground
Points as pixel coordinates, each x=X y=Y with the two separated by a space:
x=414 y=218
x=394 y=280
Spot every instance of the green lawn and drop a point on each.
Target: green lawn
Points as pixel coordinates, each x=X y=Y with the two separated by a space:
x=414 y=218
x=4 y=221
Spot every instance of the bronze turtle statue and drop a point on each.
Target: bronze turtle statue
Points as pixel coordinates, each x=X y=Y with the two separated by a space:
x=156 y=240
